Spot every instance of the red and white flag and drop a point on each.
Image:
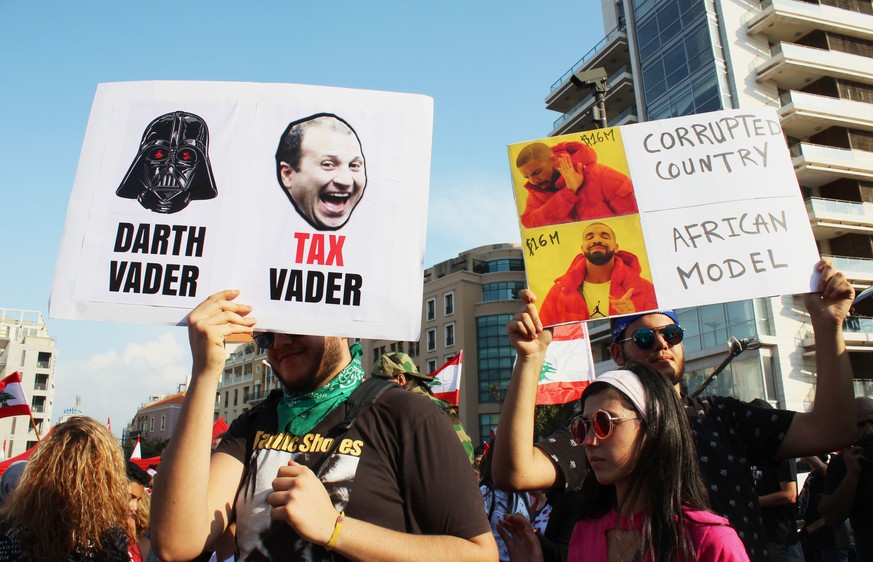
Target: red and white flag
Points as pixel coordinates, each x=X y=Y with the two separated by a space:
x=137 y=451
x=568 y=367
x=109 y=424
x=447 y=382
x=12 y=400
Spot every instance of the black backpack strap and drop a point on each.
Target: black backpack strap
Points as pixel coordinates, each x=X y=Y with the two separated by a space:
x=367 y=393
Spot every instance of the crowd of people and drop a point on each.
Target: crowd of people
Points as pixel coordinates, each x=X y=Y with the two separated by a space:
x=345 y=464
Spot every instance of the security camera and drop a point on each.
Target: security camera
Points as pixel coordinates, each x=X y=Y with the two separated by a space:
x=591 y=76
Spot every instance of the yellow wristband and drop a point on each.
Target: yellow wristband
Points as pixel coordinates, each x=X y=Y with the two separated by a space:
x=337 y=528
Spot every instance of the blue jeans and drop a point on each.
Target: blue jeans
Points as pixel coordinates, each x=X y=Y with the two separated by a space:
x=785 y=552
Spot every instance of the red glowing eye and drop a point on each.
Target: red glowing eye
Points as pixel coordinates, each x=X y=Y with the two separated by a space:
x=187 y=156
x=158 y=154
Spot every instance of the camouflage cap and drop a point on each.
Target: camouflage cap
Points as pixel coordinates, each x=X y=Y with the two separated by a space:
x=397 y=363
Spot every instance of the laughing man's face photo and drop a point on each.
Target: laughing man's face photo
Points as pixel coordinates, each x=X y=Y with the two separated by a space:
x=321 y=167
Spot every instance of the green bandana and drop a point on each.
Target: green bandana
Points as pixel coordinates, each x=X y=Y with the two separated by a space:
x=299 y=414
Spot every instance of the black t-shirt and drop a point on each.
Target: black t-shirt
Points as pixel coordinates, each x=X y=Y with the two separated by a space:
x=861 y=515
x=731 y=436
x=825 y=537
x=400 y=467
x=780 y=522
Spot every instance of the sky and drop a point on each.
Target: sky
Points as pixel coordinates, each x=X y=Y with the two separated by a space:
x=488 y=66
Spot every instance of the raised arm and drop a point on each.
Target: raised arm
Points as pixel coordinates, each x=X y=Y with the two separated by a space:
x=518 y=464
x=193 y=495
x=830 y=425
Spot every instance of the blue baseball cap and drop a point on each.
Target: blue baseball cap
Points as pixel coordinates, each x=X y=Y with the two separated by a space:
x=619 y=324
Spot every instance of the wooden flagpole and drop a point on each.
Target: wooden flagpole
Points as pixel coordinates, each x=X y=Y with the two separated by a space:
x=33 y=424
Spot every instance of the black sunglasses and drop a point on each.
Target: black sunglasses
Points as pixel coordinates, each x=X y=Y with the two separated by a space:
x=264 y=339
x=644 y=338
x=602 y=421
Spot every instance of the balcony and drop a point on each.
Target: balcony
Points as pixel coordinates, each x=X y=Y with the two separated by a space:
x=792 y=66
x=255 y=396
x=804 y=114
x=817 y=165
x=831 y=217
x=627 y=117
x=858 y=333
x=786 y=20
x=611 y=52
x=856 y=270
x=619 y=98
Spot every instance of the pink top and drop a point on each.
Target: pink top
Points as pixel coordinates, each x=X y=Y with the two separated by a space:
x=713 y=538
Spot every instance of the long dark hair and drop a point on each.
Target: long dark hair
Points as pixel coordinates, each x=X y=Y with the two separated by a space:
x=666 y=474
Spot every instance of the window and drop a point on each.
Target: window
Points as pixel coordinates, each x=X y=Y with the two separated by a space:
x=487 y=422
x=226 y=398
x=430 y=366
x=495 y=356
x=37 y=404
x=431 y=339
x=450 y=334
x=163 y=423
x=43 y=359
x=501 y=290
x=413 y=348
x=430 y=309
x=497 y=266
x=449 y=303
x=151 y=423
x=235 y=396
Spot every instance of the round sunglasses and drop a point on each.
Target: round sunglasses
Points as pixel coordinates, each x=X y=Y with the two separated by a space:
x=602 y=421
x=264 y=339
x=644 y=338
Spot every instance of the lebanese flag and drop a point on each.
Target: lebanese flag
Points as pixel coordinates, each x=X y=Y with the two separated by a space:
x=568 y=367
x=137 y=451
x=12 y=400
x=447 y=382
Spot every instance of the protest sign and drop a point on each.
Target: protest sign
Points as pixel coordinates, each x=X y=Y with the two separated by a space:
x=289 y=193
x=666 y=214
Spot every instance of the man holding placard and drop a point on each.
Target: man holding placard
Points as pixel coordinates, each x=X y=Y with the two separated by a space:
x=299 y=479
x=601 y=281
x=731 y=435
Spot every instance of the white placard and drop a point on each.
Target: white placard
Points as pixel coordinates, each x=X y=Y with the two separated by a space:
x=182 y=191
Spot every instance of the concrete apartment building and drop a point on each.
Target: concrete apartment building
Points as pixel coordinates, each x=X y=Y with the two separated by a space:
x=27 y=347
x=156 y=419
x=467 y=302
x=813 y=62
x=247 y=379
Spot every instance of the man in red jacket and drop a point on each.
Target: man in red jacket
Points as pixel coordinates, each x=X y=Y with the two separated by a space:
x=566 y=184
x=601 y=281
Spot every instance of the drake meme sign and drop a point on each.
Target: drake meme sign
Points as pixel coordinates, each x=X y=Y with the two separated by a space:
x=666 y=214
x=289 y=193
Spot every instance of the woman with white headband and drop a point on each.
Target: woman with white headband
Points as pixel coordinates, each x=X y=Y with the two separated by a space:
x=647 y=501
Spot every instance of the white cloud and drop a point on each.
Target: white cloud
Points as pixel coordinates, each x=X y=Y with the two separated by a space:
x=114 y=383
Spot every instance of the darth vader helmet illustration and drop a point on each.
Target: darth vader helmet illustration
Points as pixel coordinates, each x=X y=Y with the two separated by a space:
x=172 y=167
